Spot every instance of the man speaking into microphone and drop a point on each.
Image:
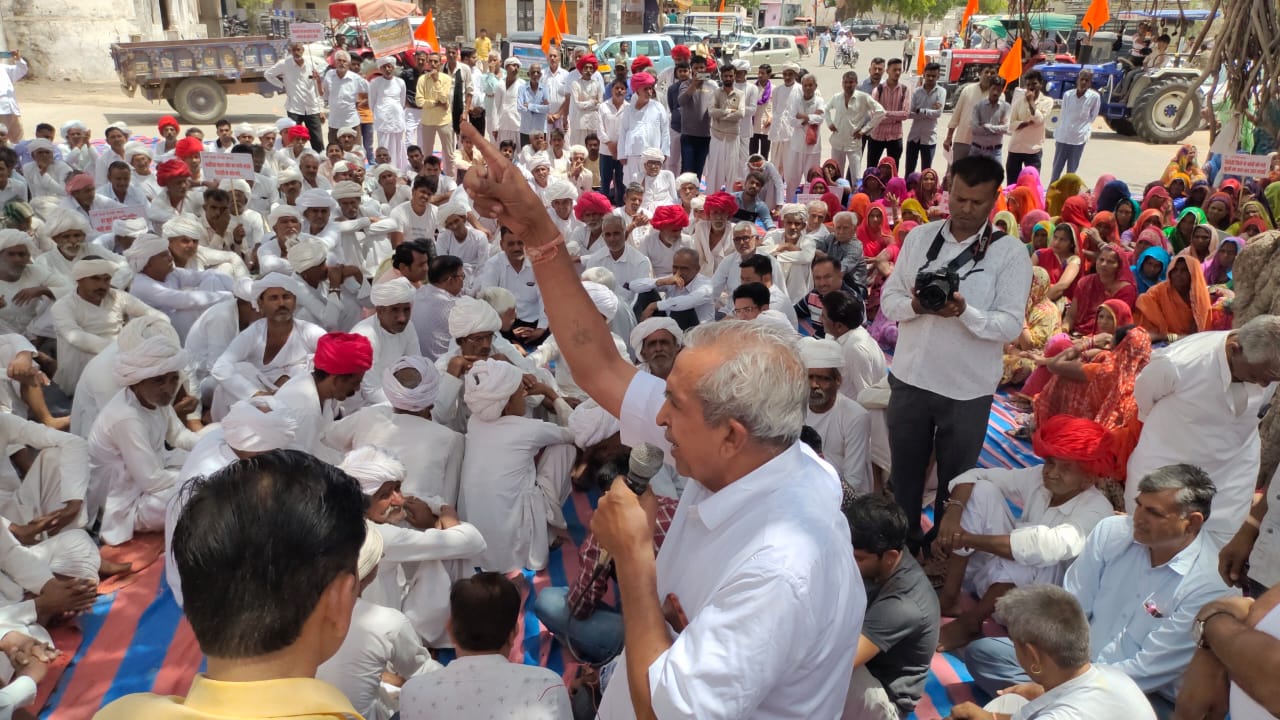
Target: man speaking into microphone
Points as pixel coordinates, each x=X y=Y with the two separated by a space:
x=762 y=602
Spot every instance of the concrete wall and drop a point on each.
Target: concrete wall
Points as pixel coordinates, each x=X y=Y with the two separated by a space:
x=71 y=39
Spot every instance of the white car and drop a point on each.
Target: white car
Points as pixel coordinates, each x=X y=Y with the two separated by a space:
x=776 y=50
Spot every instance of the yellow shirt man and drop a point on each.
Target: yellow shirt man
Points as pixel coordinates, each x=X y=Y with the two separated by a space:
x=301 y=698
x=483 y=46
x=434 y=96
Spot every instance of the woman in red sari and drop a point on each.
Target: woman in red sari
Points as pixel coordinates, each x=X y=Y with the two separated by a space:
x=1096 y=384
x=873 y=232
x=1061 y=259
x=1111 y=280
x=880 y=266
x=931 y=194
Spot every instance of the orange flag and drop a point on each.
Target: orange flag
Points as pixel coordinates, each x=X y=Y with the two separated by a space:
x=564 y=19
x=969 y=11
x=920 y=59
x=1011 y=66
x=1096 y=16
x=426 y=32
x=550 y=29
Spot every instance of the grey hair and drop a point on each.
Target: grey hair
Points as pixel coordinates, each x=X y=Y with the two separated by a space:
x=1195 y=488
x=816 y=205
x=535 y=66
x=612 y=219
x=342 y=55
x=602 y=275
x=1260 y=341
x=845 y=215
x=744 y=226
x=689 y=252
x=761 y=383
x=500 y=299
x=1049 y=619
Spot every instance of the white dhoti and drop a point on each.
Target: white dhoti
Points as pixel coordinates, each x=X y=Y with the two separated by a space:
x=778 y=151
x=722 y=163
x=799 y=160
x=850 y=162
x=511 y=135
x=412 y=119
x=138 y=510
x=393 y=141
x=673 y=160
x=744 y=149
x=631 y=172
x=987 y=513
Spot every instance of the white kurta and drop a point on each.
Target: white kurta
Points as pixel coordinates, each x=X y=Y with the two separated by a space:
x=415 y=226
x=209 y=455
x=1044 y=540
x=802 y=156
x=659 y=253
x=431 y=452
x=584 y=108
x=864 y=363
x=241 y=372
x=388 y=348
x=130 y=466
x=797 y=265
x=630 y=265
x=846 y=441
x=710 y=257
x=84 y=329
x=314 y=417
x=502 y=493
x=211 y=334
x=548 y=355
x=430 y=561
x=14 y=317
x=386 y=100
x=1101 y=691
x=183 y=296
x=59 y=475
x=379 y=639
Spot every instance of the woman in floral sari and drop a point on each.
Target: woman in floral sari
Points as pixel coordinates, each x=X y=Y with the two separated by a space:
x=1096 y=384
x=1041 y=321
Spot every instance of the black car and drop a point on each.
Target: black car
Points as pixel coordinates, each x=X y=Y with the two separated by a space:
x=866 y=29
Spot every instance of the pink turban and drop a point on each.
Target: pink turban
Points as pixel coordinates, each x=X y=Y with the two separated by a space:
x=592 y=202
x=670 y=217
x=720 y=202
x=187 y=147
x=343 y=354
x=170 y=170
x=78 y=182
x=640 y=81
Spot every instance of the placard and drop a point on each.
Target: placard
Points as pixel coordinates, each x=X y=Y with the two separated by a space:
x=306 y=32
x=226 y=166
x=806 y=198
x=391 y=37
x=1246 y=165
x=101 y=220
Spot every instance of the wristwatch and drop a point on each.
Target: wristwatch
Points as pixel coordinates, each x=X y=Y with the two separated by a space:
x=1197 y=628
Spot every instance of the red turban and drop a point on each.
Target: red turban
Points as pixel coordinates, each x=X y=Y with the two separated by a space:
x=167 y=121
x=711 y=65
x=585 y=60
x=298 y=132
x=642 y=80
x=187 y=147
x=343 y=353
x=1066 y=437
x=78 y=182
x=681 y=53
x=170 y=170
x=670 y=217
x=592 y=202
x=641 y=63
x=720 y=202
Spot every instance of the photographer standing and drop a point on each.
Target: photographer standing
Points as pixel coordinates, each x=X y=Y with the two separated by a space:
x=959 y=294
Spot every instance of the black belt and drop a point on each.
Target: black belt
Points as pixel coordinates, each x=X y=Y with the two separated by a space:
x=987 y=147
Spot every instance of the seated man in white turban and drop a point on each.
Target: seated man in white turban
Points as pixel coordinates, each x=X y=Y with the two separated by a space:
x=380 y=640
x=139 y=157
x=794 y=250
x=461 y=240
x=68 y=230
x=186 y=236
x=181 y=294
x=285 y=226
x=213 y=332
x=42 y=582
x=391 y=334
x=323 y=299
x=624 y=320
x=338 y=368
x=515 y=474
x=427 y=542
x=138 y=443
x=123 y=233
x=252 y=427
x=434 y=301
x=45 y=174
x=265 y=355
x=431 y=452
x=560 y=197
x=24 y=287
x=388 y=192
x=845 y=426
x=317 y=208
x=656 y=342
x=351 y=221
x=606 y=303
x=89 y=318
x=98 y=383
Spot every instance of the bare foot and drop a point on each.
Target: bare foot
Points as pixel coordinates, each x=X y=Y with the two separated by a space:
x=957 y=633
x=108 y=568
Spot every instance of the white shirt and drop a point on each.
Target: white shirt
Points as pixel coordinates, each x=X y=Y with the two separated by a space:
x=506 y=106
x=241 y=371
x=388 y=348
x=50 y=183
x=210 y=335
x=695 y=296
x=762 y=571
x=1193 y=413
x=15 y=188
x=781 y=129
x=431 y=452
x=386 y=100
x=473 y=251
x=846 y=441
x=864 y=363
x=658 y=190
x=183 y=296
x=497 y=272
x=1030 y=138
x=341 y=93
x=996 y=301
x=379 y=639
x=610 y=127
x=1075 y=118
x=631 y=266
x=1264 y=561
x=416 y=227
x=314 y=417
x=858 y=114
x=1099 y=692
x=486 y=686
x=84 y=329
x=659 y=253
x=642 y=128
x=210 y=454
x=728 y=277
x=298 y=82
x=10 y=74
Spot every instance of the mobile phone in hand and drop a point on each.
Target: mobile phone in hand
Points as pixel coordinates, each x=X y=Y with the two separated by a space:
x=6 y=54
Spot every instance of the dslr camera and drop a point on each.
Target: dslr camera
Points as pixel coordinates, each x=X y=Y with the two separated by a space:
x=935 y=287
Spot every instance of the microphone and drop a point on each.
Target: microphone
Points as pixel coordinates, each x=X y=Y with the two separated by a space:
x=645 y=462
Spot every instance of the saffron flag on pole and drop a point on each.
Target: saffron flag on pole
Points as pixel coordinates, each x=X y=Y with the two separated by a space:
x=1096 y=16
x=1011 y=66
x=920 y=59
x=426 y=32
x=564 y=19
x=550 y=29
x=969 y=10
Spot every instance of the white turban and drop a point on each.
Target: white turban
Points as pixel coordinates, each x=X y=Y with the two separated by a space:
x=129 y=227
x=82 y=269
x=696 y=204
x=602 y=275
x=416 y=398
x=141 y=329
x=76 y=556
x=10 y=238
x=244 y=129
x=315 y=198
x=154 y=357
x=283 y=210
x=306 y=253
x=821 y=354
x=284 y=124
x=60 y=220
x=605 y=300
x=391 y=292
x=237 y=184
x=560 y=190
x=653 y=154
x=489 y=386
x=455 y=206
x=346 y=190
x=183 y=225
x=387 y=60
x=687 y=179
x=469 y=316
x=342 y=166
x=645 y=328
x=143 y=249
x=793 y=209
x=371 y=550
x=347 y=131
x=135 y=148
x=384 y=167
x=511 y=61
x=372 y=467
x=36 y=144
x=288 y=175
x=591 y=424
x=73 y=125
x=242 y=288
x=383 y=227
x=259 y=424
x=742 y=65
x=272 y=280
x=539 y=160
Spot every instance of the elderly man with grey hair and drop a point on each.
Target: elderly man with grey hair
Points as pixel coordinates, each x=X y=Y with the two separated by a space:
x=746 y=574
x=793 y=248
x=1199 y=400
x=1141 y=580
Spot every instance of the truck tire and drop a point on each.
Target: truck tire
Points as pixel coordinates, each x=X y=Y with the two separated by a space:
x=1122 y=126
x=874 y=36
x=1155 y=112
x=200 y=100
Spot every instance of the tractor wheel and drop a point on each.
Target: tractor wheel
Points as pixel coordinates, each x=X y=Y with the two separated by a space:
x=1155 y=113
x=1122 y=126
x=200 y=100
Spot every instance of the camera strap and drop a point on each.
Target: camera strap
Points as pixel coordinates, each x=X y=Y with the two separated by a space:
x=975 y=252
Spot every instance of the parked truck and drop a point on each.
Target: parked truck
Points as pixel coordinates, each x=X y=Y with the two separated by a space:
x=195 y=76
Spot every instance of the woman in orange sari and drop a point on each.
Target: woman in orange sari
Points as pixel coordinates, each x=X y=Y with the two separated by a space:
x=1177 y=306
x=1096 y=384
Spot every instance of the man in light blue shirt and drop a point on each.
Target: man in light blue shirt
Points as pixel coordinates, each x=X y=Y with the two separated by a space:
x=1141 y=579
x=533 y=104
